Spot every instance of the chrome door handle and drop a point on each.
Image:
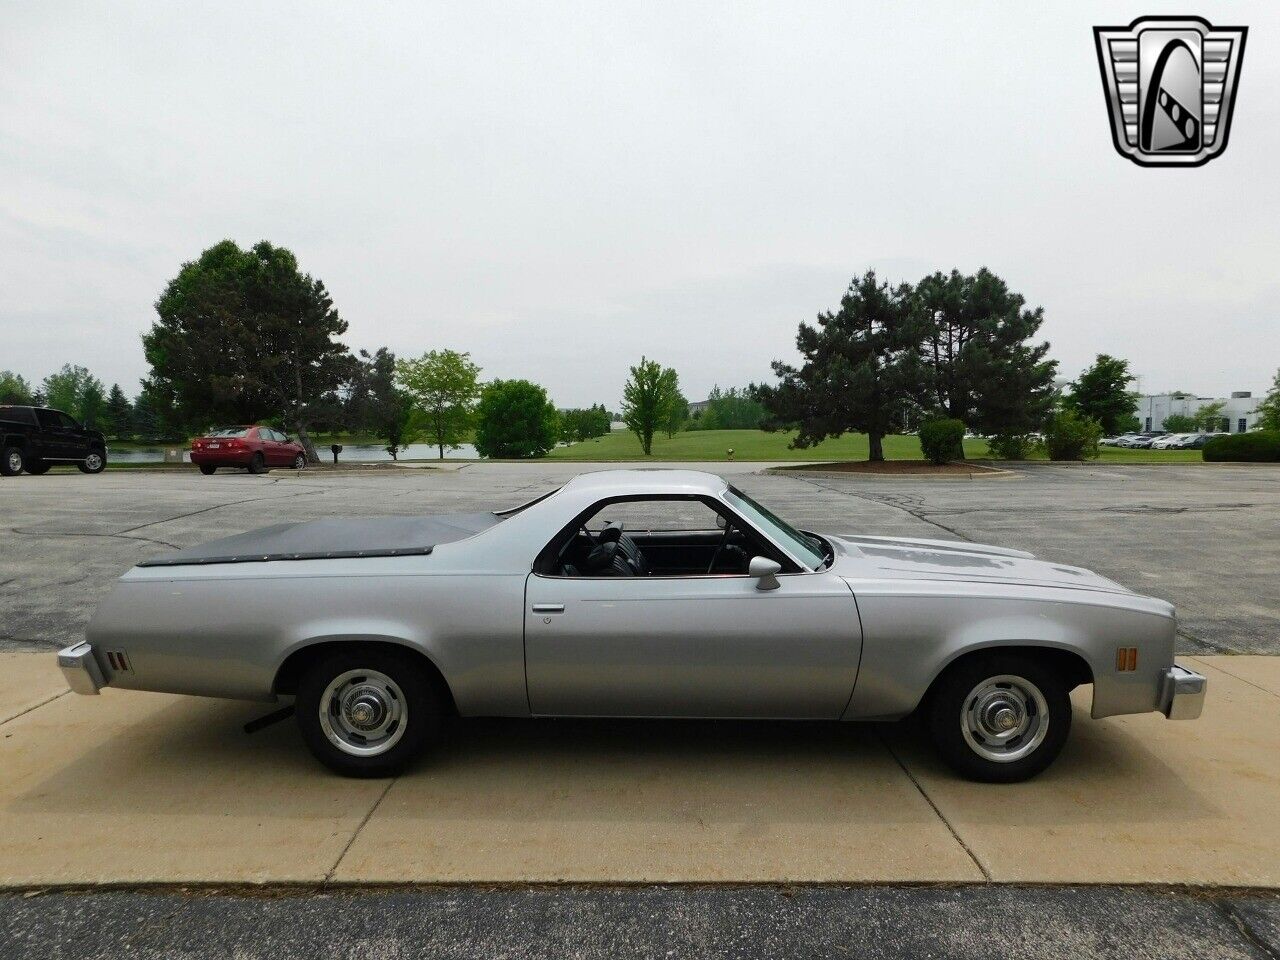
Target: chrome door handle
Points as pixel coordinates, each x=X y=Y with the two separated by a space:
x=548 y=608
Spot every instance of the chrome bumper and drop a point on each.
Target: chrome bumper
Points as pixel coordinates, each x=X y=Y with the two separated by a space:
x=81 y=668
x=1182 y=693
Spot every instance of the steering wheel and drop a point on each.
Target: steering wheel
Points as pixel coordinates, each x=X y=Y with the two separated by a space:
x=728 y=529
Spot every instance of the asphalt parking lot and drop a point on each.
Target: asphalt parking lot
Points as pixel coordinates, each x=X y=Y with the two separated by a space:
x=1201 y=536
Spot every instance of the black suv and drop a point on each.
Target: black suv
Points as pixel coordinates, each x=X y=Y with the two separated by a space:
x=35 y=438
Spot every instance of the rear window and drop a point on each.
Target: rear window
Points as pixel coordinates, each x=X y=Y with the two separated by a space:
x=229 y=432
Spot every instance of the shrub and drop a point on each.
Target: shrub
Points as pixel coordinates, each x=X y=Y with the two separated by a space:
x=942 y=440
x=1261 y=446
x=1012 y=446
x=1072 y=436
x=515 y=419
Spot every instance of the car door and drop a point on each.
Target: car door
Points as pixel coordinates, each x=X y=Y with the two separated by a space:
x=275 y=450
x=697 y=646
x=54 y=440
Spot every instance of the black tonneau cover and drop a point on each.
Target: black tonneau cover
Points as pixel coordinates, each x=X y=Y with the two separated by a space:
x=328 y=539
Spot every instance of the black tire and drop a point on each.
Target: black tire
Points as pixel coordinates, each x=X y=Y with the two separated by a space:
x=207 y=469
x=12 y=461
x=421 y=710
x=258 y=463
x=38 y=467
x=300 y=461
x=95 y=463
x=950 y=705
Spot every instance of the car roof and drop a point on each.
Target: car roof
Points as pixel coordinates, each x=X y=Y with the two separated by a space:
x=608 y=483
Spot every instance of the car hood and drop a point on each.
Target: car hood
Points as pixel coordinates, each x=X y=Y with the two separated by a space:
x=905 y=558
x=328 y=539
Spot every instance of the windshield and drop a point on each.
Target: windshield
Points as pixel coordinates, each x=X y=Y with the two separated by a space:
x=802 y=546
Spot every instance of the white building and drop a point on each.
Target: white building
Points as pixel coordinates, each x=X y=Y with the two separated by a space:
x=1239 y=411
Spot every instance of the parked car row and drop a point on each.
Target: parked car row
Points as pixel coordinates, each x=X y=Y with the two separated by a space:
x=1157 y=440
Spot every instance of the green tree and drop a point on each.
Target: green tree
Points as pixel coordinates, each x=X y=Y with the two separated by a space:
x=118 y=418
x=375 y=405
x=1102 y=393
x=734 y=409
x=1070 y=435
x=14 y=388
x=444 y=384
x=514 y=419
x=1269 y=408
x=1209 y=418
x=647 y=400
x=69 y=388
x=245 y=335
x=980 y=365
x=677 y=415
x=861 y=369
x=93 y=405
x=1179 y=423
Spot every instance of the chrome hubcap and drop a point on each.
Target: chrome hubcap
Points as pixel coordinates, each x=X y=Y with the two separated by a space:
x=1004 y=718
x=93 y=461
x=15 y=461
x=363 y=713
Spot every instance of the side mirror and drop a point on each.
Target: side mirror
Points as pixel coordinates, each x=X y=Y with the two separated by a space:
x=766 y=571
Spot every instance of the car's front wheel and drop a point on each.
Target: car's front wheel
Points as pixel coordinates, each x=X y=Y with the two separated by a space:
x=367 y=713
x=95 y=462
x=1000 y=718
x=300 y=461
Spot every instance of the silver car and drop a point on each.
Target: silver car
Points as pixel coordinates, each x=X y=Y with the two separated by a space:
x=664 y=593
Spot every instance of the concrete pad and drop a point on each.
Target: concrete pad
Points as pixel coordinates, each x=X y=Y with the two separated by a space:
x=136 y=787
x=636 y=801
x=1135 y=799
x=27 y=680
x=1262 y=672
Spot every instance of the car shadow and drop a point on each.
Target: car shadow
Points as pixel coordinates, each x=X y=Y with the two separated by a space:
x=193 y=754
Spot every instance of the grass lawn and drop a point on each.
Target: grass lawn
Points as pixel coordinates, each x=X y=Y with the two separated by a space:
x=758 y=445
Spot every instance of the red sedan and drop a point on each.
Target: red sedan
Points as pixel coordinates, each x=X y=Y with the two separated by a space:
x=254 y=448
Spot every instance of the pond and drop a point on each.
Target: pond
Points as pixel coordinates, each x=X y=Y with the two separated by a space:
x=355 y=453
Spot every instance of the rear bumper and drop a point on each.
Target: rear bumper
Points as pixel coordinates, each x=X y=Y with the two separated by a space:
x=81 y=669
x=221 y=458
x=1182 y=693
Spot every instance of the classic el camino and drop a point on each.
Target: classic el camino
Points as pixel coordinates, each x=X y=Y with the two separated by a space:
x=634 y=593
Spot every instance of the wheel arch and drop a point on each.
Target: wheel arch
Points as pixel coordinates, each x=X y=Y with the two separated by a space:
x=296 y=662
x=1067 y=661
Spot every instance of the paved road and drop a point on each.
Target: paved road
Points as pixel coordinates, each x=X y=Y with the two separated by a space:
x=1203 y=537
x=646 y=922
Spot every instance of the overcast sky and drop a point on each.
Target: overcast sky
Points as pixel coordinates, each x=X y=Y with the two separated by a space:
x=558 y=188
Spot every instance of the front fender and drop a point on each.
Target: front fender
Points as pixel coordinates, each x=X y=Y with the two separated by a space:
x=912 y=633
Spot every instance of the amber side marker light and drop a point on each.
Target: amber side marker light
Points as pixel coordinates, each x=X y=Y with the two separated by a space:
x=1126 y=659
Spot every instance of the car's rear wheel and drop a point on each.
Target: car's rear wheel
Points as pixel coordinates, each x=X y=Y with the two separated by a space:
x=258 y=463
x=12 y=461
x=367 y=712
x=299 y=462
x=95 y=462
x=1000 y=718
x=207 y=469
x=38 y=467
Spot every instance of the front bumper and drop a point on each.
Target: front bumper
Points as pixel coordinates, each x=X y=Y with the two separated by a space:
x=1182 y=693
x=81 y=668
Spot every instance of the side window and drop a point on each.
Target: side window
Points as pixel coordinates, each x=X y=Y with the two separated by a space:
x=66 y=422
x=659 y=537
x=48 y=419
